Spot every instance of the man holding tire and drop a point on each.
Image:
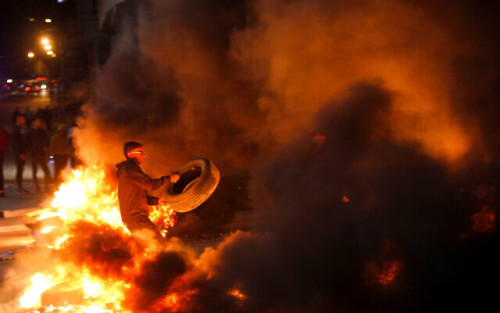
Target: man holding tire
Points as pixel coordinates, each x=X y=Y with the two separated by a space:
x=133 y=188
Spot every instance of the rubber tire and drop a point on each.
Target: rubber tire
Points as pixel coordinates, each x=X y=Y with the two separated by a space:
x=197 y=190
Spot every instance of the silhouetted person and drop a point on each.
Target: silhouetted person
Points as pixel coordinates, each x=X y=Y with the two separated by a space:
x=47 y=117
x=3 y=146
x=29 y=116
x=15 y=114
x=37 y=143
x=60 y=149
x=133 y=187
x=19 y=148
x=73 y=159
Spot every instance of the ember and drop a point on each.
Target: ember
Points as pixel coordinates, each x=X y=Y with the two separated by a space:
x=237 y=294
x=319 y=139
x=484 y=221
x=382 y=274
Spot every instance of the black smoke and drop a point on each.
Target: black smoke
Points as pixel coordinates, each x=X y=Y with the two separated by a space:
x=389 y=104
x=316 y=248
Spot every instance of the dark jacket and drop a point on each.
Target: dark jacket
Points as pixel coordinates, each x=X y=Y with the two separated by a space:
x=18 y=140
x=36 y=141
x=133 y=186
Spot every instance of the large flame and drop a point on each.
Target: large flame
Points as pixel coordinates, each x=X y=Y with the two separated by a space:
x=96 y=258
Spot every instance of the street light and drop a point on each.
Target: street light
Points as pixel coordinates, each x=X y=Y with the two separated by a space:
x=31 y=55
x=48 y=20
x=45 y=41
x=50 y=52
x=47 y=47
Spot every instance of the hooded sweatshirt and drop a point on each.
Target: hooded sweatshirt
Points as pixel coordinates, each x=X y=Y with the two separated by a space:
x=133 y=186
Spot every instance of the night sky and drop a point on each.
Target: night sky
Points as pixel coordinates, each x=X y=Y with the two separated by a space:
x=18 y=35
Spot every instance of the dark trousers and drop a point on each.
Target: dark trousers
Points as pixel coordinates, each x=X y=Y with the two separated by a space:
x=60 y=163
x=137 y=223
x=1 y=169
x=42 y=161
x=19 y=171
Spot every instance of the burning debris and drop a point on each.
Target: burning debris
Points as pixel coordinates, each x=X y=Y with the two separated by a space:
x=98 y=265
x=97 y=259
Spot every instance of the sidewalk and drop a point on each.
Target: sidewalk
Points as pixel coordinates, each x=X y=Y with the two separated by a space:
x=14 y=234
x=15 y=205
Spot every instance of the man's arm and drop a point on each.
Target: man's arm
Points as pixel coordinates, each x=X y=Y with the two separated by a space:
x=138 y=177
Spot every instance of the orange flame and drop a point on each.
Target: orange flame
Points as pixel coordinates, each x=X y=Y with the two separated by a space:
x=237 y=294
x=87 y=198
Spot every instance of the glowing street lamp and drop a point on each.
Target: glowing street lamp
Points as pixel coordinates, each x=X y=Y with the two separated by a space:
x=9 y=81
x=47 y=47
x=48 y=20
x=50 y=52
x=45 y=41
x=31 y=55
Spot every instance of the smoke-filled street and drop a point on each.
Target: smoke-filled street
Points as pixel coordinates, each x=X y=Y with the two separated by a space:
x=349 y=151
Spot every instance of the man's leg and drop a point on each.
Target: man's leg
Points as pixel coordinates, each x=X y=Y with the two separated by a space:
x=141 y=223
x=46 y=173
x=57 y=166
x=60 y=162
x=19 y=173
x=34 y=168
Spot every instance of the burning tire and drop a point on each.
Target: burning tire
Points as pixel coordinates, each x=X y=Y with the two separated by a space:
x=198 y=180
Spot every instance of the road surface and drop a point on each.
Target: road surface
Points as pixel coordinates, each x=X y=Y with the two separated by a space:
x=14 y=235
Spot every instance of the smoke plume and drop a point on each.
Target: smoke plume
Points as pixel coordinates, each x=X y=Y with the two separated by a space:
x=225 y=79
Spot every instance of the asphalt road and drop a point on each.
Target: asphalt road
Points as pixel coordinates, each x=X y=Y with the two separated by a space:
x=14 y=235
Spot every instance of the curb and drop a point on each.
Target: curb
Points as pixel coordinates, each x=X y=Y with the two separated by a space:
x=16 y=213
x=14 y=229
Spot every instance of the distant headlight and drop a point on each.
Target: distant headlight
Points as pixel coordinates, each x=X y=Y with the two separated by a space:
x=43 y=86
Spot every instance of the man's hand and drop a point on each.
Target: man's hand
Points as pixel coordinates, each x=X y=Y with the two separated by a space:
x=174 y=177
